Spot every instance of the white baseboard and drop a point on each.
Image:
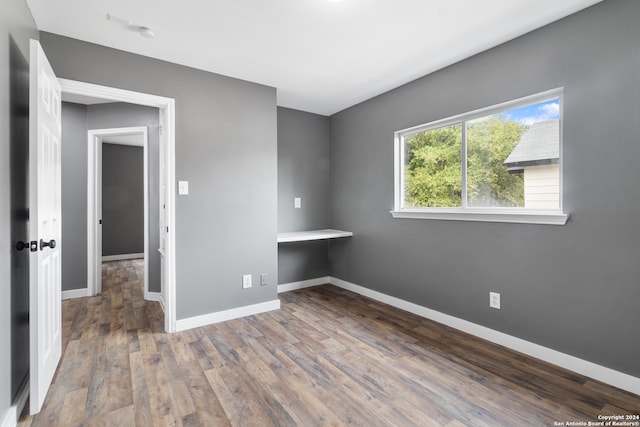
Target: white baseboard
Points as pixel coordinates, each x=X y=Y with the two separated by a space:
x=10 y=419
x=155 y=296
x=566 y=361
x=221 y=316
x=14 y=412
x=76 y=293
x=286 y=287
x=122 y=257
x=152 y=296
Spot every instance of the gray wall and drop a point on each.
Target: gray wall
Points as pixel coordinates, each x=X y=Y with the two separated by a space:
x=573 y=288
x=16 y=28
x=76 y=120
x=226 y=148
x=303 y=171
x=74 y=196
x=122 y=199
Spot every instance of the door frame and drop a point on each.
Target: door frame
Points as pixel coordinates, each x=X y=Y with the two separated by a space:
x=95 y=140
x=167 y=154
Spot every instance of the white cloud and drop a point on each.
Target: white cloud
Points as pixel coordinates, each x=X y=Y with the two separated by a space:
x=544 y=112
x=528 y=121
x=552 y=110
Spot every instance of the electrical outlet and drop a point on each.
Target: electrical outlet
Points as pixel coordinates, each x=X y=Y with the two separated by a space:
x=246 y=281
x=297 y=202
x=264 y=281
x=494 y=300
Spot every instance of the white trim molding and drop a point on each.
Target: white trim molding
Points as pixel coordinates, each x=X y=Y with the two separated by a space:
x=96 y=138
x=167 y=109
x=122 y=257
x=465 y=212
x=286 y=287
x=221 y=316
x=76 y=293
x=13 y=414
x=583 y=367
x=10 y=418
x=518 y=217
x=154 y=296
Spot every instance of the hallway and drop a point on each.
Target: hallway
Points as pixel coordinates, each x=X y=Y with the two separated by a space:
x=102 y=337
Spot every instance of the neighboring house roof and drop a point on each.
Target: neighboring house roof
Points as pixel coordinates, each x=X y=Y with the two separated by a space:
x=539 y=145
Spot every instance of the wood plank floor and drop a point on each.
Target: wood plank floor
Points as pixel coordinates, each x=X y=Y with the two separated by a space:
x=328 y=357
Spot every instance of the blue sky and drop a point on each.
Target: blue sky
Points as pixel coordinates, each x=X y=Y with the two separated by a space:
x=535 y=113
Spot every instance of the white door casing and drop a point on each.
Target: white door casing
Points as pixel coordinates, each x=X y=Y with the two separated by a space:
x=167 y=178
x=162 y=217
x=96 y=138
x=45 y=337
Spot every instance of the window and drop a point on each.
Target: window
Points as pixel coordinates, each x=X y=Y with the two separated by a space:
x=498 y=164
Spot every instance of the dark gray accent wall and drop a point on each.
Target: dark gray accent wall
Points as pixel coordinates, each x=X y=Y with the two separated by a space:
x=118 y=115
x=303 y=171
x=122 y=199
x=226 y=148
x=74 y=196
x=572 y=288
x=16 y=28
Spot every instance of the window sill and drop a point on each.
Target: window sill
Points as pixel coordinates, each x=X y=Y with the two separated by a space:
x=526 y=217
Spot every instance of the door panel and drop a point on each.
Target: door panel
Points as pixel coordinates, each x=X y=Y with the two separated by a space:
x=44 y=226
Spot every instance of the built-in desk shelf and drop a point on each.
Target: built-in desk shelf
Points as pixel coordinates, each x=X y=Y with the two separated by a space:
x=305 y=236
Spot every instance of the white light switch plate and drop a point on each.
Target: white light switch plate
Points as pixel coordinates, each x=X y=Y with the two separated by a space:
x=297 y=202
x=183 y=188
x=494 y=300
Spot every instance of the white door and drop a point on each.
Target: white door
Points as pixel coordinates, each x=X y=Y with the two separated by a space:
x=44 y=226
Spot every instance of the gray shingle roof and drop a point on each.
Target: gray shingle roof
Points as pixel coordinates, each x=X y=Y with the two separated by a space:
x=538 y=145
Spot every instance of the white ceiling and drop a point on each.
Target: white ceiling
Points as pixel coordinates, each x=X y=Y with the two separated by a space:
x=322 y=56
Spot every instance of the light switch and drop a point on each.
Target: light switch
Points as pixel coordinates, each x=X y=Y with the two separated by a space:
x=183 y=188
x=297 y=202
x=494 y=300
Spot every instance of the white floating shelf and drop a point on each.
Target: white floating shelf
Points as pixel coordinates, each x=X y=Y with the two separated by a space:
x=304 y=236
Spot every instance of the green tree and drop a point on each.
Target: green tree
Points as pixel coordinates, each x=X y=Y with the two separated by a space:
x=433 y=175
x=489 y=142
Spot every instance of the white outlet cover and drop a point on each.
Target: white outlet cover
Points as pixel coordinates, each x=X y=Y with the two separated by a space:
x=246 y=281
x=297 y=202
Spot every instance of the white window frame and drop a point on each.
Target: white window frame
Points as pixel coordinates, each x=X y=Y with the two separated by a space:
x=465 y=213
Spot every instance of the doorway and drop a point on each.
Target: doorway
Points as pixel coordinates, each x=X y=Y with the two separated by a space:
x=166 y=212
x=120 y=198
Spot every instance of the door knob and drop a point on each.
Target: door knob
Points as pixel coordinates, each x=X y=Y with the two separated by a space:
x=32 y=246
x=51 y=243
x=22 y=245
